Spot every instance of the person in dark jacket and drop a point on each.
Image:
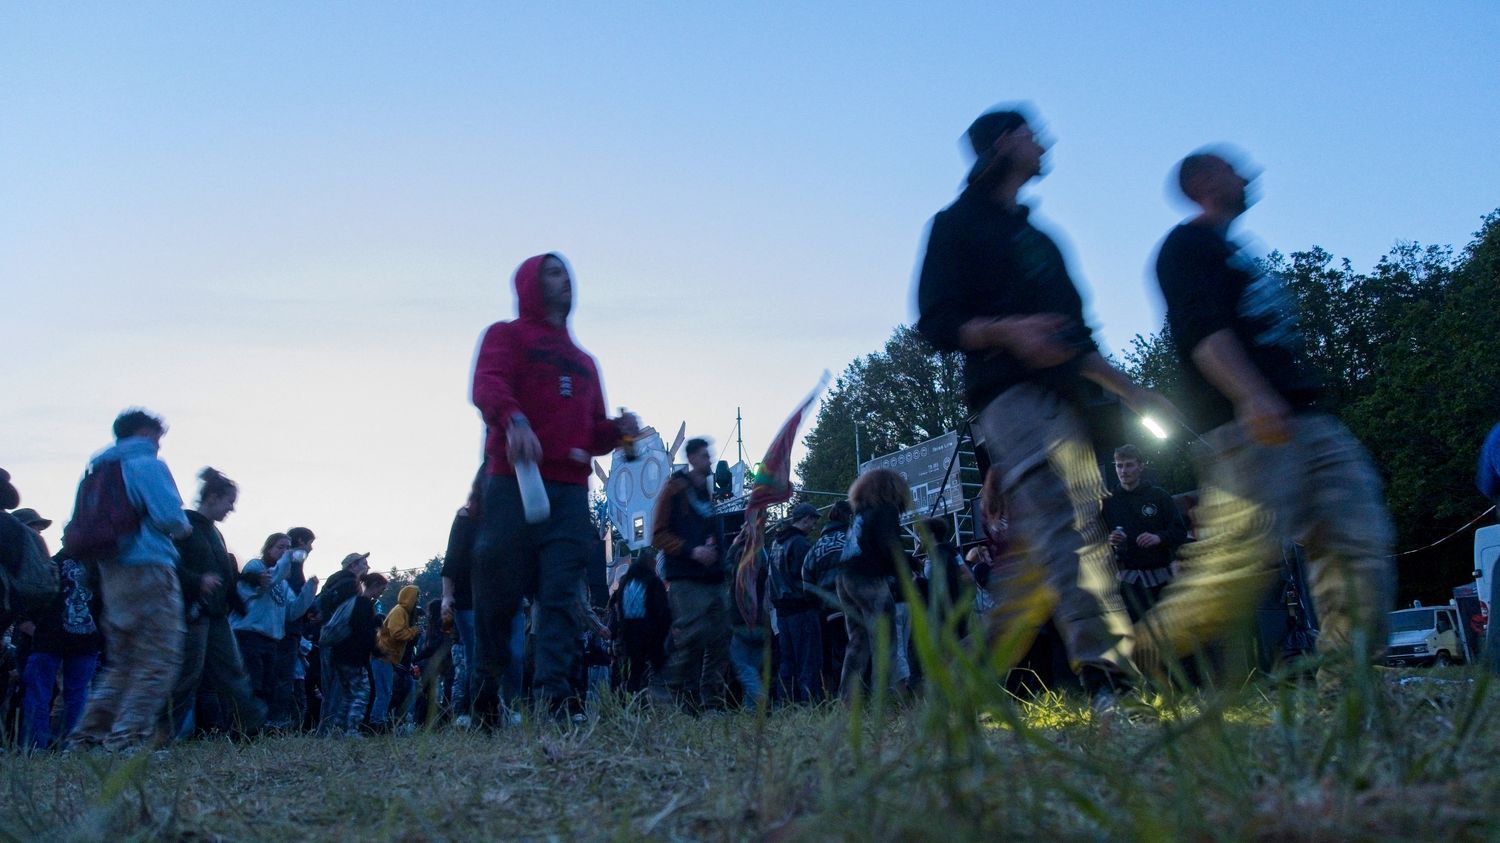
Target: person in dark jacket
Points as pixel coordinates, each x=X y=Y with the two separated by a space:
x=351 y=658
x=639 y=622
x=210 y=653
x=66 y=637
x=1146 y=529
x=341 y=586
x=871 y=552
x=997 y=288
x=801 y=668
x=821 y=571
x=686 y=530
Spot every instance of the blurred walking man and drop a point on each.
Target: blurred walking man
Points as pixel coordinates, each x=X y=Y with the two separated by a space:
x=996 y=288
x=1278 y=465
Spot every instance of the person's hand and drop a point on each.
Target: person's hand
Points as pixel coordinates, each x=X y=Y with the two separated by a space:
x=706 y=553
x=1116 y=538
x=1148 y=540
x=209 y=583
x=628 y=424
x=27 y=627
x=313 y=581
x=1033 y=339
x=1266 y=418
x=521 y=444
x=265 y=579
x=447 y=610
x=605 y=633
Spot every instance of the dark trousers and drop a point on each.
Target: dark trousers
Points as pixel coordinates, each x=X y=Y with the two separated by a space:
x=211 y=657
x=801 y=655
x=513 y=559
x=259 y=654
x=284 y=709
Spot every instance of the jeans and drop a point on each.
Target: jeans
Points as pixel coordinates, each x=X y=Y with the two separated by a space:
x=512 y=559
x=747 y=658
x=383 y=674
x=801 y=655
x=259 y=655
x=41 y=680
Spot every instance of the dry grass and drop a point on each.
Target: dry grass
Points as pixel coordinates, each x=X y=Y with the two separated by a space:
x=1409 y=762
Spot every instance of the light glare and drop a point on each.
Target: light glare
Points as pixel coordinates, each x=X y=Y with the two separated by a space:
x=1156 y=429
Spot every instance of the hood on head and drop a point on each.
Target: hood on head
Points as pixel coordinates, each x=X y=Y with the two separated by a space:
x=408 y=597
x=530 y=304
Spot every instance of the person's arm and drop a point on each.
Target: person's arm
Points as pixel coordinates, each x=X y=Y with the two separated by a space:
x=152 y=485
x=1174 y=531
x=297 y=608
x=941 y=301
x=494 y=370
x=1257 y=407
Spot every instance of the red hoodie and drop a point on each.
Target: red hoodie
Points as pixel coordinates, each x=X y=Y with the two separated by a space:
x=532 y=367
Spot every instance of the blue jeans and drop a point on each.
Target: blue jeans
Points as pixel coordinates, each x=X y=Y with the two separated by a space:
x=801 y=655
x=41 y=678
x=331 y=708
x=384 y=675
x=745 y=657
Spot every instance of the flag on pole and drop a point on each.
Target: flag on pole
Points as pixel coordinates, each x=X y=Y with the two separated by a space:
x=773 y=485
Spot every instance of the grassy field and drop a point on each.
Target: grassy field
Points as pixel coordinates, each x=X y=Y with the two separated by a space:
x=1398 y=755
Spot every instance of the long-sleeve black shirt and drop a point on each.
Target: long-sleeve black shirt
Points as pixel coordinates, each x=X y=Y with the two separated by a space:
x=1144 y=509
x=984 y=261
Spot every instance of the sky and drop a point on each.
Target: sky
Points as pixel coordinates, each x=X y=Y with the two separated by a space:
x=283 y=226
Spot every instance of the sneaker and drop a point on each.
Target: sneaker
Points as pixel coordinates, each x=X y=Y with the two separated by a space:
x=463 y=721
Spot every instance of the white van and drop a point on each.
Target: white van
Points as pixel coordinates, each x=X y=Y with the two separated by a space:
x=1426 y=635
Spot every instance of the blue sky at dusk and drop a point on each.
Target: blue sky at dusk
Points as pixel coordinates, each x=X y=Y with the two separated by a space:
x=284 y=225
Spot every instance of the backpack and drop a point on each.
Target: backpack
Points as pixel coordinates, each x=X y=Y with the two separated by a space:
x=102 y=515
x=338 y=628
x=34 y=582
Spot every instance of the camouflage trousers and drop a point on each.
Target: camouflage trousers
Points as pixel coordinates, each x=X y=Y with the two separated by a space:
x=1049 y=476
x=1319 y=490
x=143 y=633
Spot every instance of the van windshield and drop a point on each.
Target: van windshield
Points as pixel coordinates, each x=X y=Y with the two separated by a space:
x=1411 y=620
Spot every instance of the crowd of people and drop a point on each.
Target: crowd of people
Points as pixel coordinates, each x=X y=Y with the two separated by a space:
x=158 y=632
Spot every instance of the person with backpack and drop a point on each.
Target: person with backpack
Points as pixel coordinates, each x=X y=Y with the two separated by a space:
x=801 y=670
x=342 y=587
x=28 y=578
x=639 y=621
x=143 y=621
x=350 y=655
x=65 y=636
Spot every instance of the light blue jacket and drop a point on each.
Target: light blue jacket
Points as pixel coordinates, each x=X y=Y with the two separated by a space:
x=267 y=609
x=153 y=492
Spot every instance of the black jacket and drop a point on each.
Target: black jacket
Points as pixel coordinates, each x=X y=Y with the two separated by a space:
x=1144 y=509
x=338 y=589
x=360 y=645
x=787 y=555
x=988 y=262
x=203 y=552
x=874 y=543
x=458 y=561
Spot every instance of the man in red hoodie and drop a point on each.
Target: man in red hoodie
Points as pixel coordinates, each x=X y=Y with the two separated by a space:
x=543 y=403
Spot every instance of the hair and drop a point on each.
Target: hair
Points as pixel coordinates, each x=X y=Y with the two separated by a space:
x=10 y=498
x=991 y=498
x=132 y=421
x=434 y=609
x=373 y=578
x=976 y=555
x=940 y=529
x=271 y=540
x=644 y=563
x=1128 y=452
x=695 y=445
x=1194 y=166
x=300 y=535
x=879 y=487
x=841 y=513
x=214 y=484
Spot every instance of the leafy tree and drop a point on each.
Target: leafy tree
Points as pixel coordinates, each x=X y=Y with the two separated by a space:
x=428 y=580
x=899 y=396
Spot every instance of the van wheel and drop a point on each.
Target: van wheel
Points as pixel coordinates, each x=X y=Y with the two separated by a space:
x=1443 y=659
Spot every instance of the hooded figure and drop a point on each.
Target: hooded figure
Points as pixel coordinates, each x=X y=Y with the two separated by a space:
x=398 y=629
x=531 y=365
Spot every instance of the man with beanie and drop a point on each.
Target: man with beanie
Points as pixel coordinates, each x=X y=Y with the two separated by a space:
x=996 y=287
x=542 y=402
x=143 y=620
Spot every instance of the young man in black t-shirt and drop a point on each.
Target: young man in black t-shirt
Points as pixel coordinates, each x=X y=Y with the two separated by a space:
x=997 y=288
x=1278 y=464
x=1145 y=532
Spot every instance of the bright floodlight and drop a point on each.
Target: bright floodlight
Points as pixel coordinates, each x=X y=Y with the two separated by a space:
x=1152 y=425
